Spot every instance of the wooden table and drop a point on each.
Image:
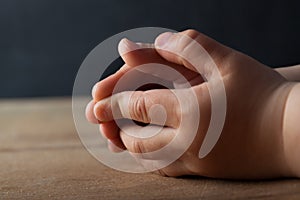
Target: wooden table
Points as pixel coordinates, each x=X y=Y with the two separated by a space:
x=42 y=157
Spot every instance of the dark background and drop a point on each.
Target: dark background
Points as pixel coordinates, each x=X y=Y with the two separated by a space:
x=43 y=42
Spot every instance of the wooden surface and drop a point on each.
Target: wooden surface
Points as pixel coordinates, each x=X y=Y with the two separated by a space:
x=41 y=157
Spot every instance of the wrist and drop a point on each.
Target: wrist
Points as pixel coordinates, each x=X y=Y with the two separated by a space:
x=291 y=130
x=271 y=124
x=291 y=73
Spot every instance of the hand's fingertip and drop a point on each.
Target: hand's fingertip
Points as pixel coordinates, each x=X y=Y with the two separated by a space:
x=100 y=111
x=94 y=89
x=109 y=130
x=90 y=114
x=125 y=46
x=102 y=130
x=163 y=39
x=113 y=147
x=97 y=91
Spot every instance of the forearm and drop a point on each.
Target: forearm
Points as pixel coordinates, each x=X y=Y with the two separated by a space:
x=290 y=73
x=291 y=130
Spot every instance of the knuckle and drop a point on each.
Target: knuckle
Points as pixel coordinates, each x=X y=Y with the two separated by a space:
x=178 y=113
x=191 y=33
x=207 y=44
x=138 y=146
x=201 y=39
x=183 y=49
x=138 y=110
x=161 y=173
x=186 y=45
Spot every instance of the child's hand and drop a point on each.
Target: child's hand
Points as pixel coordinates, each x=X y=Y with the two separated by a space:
x=252 y=141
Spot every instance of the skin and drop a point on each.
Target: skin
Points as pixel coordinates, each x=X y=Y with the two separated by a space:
x=260 y=136
x=290 y=73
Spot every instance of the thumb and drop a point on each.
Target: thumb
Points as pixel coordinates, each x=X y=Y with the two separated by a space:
x=193 y=50
x=209 y=58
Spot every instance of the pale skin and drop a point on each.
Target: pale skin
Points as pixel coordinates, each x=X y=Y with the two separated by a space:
x=261 y=135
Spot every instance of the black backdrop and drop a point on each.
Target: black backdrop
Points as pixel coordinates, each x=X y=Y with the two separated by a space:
x=43 y=42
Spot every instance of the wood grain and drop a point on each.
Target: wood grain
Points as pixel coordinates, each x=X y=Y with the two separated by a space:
x=41 y=157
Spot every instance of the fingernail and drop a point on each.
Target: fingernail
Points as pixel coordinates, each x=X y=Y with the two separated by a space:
x=163 y=39
x=126 y=46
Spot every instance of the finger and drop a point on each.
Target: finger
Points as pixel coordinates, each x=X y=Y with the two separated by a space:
x=204 y=103
x=177 y=168
x=111 y=131
x=159 y=107
x=135 y=144
x=104 y=88
x=192 y=49
x=113 y=147
x=89 y=113
x=136 y=55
